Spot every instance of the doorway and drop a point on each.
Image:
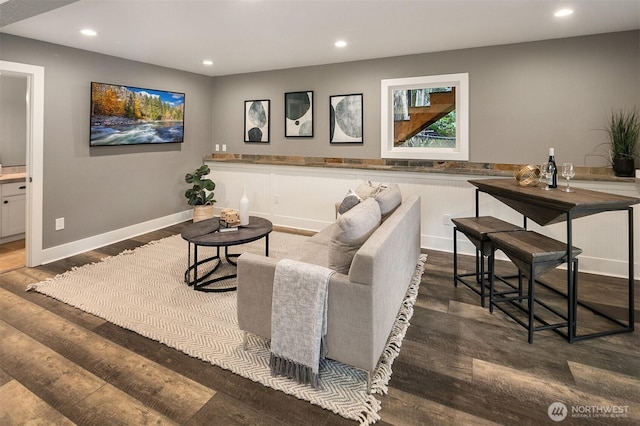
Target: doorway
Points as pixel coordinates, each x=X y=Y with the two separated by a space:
x=35 y=156
x=13 y=153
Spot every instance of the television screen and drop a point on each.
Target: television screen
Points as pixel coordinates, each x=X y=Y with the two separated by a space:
x=125 y=115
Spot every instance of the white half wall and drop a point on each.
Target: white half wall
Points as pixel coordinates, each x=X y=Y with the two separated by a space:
x=305 y=197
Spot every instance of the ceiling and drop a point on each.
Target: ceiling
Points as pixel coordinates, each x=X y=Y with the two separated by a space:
x=242 y=36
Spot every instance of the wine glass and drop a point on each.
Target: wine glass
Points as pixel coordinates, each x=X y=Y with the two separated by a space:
x=543 y=173
x=546 y=173
x=568 y=172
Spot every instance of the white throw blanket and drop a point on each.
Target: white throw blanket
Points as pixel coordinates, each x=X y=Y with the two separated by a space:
x=299 y=320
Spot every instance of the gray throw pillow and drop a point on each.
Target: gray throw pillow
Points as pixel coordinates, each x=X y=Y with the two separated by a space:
x=350 y=200
x=351 y=231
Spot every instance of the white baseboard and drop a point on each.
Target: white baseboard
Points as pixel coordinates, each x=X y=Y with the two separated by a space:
x=76 y=247
x=12 y=238
x=300 y=223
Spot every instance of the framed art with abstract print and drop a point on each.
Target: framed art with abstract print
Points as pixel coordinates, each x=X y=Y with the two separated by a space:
x=257 y=121
x=345 y=118
x=298 y=114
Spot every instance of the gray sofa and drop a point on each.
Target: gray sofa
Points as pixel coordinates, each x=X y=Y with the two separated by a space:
x=363 y=300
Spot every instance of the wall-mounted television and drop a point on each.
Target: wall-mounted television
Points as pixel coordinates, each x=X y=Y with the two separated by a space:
x=125 y=115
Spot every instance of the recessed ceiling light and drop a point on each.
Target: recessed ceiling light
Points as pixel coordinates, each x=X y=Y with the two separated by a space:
x=207 y=62
x=340 y=43
x=88 y=32
x=563 y=12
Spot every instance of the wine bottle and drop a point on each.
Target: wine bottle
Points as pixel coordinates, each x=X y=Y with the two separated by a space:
x=553 y=180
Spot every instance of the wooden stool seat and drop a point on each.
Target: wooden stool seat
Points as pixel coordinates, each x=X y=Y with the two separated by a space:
x=533 y=254
x=526 y=248
x=477 y=230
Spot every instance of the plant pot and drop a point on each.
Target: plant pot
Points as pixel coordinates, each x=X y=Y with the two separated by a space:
x=202 y=213
x=624 y=167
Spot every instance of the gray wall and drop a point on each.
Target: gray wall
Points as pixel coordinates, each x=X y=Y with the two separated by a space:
x=102 y=189
x=524 y=98
x=13 y=120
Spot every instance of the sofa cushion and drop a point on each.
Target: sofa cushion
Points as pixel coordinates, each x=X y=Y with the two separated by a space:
x=350 y=200
x=351 y=231
x=313 y=253
x=389 y=199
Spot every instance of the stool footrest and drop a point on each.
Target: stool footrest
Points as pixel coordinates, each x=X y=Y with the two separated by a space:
x=546 y=325
x=476 y=286
x=507 y=299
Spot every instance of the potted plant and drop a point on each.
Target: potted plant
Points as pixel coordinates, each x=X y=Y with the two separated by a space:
x=623 y=129
x=200 y=195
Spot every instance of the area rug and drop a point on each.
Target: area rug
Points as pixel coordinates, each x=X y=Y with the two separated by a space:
x=143 y=290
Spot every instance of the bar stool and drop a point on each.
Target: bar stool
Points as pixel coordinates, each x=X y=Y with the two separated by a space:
x=534 y=254
x=477 y=230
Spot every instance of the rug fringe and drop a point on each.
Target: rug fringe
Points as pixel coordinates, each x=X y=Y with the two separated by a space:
x=382 y=373
x=34 y=287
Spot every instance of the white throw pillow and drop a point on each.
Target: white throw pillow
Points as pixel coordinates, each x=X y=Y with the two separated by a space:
x=351 y=231
x=366 y=190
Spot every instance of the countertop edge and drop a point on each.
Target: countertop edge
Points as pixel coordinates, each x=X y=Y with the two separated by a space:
x=13 y=178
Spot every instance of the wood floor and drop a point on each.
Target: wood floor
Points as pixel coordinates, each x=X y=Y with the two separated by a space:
x=459 y=365
x=12 y=255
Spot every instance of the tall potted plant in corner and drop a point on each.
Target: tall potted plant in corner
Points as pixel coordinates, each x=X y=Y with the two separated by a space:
x=623 y=129
x=200 y=195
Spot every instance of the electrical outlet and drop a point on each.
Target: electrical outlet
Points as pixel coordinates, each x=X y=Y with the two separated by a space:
x=217 y=147
x=446 y=219
x=276 y=199
x=60 y=224
x=224 y=147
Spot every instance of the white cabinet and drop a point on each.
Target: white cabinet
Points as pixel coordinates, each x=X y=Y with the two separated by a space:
x=13 y=207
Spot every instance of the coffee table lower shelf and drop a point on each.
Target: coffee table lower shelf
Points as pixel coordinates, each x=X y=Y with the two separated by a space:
x=201 y=283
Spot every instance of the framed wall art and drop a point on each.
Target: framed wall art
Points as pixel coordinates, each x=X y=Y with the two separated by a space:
x=257 y=121
x=345 y=118
x=425 y=117
x=298 y=114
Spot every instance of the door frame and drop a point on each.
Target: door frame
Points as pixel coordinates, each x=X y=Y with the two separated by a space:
x=35 y=156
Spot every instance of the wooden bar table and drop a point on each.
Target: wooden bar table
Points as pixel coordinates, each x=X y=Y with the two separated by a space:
x=554 y=206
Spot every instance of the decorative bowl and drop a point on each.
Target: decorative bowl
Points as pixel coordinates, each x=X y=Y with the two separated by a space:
x=528 y=175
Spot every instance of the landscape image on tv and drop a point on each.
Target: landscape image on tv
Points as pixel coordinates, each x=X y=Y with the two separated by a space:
x=124 y=115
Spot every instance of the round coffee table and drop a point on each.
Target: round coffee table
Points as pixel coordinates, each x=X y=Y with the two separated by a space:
x=207 y=233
